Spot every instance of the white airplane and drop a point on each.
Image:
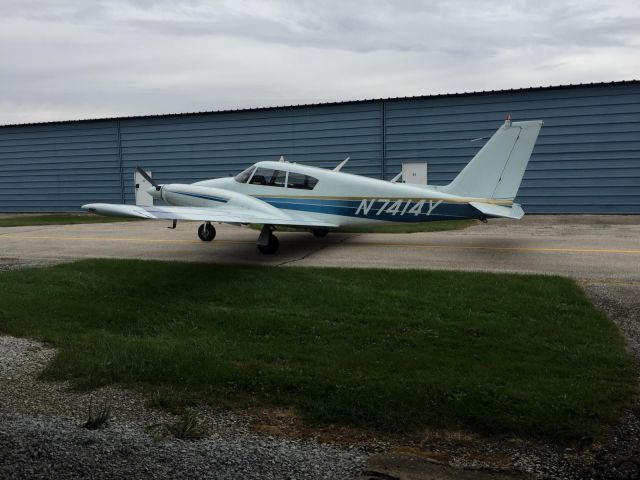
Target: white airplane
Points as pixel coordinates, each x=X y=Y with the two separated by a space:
x=275 y=194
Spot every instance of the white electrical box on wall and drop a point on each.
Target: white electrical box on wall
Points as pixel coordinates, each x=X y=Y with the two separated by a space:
x=415 y=173
x=141 y=183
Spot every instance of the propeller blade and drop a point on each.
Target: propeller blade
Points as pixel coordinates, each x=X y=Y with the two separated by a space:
x=147 y=177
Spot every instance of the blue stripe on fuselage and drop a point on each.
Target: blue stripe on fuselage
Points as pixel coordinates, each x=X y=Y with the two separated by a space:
x=205 y=197
x=380 y=209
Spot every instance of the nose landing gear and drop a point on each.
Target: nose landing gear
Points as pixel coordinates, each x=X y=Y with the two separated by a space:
x=206 y=232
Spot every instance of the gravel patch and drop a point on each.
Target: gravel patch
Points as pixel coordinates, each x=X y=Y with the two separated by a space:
x=56 y=448
x=619 y=457
x=41 y=435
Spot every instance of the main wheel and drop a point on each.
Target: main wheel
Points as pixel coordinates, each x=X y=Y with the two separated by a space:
x=271 y=247
x=206 y=232
x=320 y=232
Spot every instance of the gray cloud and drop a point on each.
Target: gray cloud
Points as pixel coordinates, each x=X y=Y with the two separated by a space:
x=78 y=58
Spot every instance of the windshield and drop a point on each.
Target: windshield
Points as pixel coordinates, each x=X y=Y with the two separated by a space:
x=243 y=176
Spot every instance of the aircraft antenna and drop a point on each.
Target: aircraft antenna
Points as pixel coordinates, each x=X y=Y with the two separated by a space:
x=341 y=164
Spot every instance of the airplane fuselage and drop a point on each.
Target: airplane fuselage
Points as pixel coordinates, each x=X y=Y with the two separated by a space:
x=335 y=197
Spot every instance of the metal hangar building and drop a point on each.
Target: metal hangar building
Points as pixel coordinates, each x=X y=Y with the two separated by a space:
x=587 y=159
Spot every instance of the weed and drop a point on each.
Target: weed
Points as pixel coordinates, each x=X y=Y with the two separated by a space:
x=187 y=427
x=98 y=420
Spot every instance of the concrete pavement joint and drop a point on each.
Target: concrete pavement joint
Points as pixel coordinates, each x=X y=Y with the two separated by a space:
x=317 y=250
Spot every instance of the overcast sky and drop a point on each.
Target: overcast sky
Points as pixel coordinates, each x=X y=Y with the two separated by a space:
x=73 y=59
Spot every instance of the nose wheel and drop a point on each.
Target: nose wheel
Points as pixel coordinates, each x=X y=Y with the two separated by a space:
x=267 y=242
x=206 y=232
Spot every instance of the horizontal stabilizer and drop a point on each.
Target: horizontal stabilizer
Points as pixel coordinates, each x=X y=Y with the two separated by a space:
x=501 y=211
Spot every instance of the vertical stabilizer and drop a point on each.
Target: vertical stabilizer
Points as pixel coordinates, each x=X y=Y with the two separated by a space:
x=497 y=169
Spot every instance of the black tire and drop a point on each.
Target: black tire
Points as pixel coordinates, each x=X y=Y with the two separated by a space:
x=320 y=232
x=206 y=232
x=271 y=247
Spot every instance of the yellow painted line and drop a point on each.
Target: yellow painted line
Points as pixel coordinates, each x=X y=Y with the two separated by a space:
x=348 y=244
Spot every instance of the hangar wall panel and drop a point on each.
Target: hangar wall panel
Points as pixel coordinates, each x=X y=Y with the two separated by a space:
x=222 y=144
x=57 y=167
x=587 y=159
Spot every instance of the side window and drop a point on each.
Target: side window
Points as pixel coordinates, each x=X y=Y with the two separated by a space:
x=279 y=178
x=243 y=176
x=269 y=177
x=304 y=182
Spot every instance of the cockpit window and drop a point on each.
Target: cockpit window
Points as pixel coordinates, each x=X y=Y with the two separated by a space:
x=279 y=179
x=269 y=177
x=304 y=182
x=243 y=176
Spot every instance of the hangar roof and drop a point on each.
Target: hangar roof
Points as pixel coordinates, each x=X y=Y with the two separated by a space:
x=344 y=102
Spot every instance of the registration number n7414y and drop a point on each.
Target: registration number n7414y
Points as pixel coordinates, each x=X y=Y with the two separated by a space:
x=378 y=206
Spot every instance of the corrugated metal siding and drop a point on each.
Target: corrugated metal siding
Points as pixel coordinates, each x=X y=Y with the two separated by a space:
x=52 y=168
x=587 y=159
x=191 y=148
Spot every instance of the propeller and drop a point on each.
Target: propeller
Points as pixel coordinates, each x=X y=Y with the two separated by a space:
x=148 y=178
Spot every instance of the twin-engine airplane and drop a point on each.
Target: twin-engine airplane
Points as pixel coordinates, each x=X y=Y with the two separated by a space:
x=275 y=194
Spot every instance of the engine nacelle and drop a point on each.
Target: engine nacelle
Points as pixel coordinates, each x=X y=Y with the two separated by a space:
x=184 y=195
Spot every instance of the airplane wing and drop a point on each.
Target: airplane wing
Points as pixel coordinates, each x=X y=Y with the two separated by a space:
x=222 y=213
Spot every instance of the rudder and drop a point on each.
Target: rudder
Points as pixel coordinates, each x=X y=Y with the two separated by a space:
x=497 y=169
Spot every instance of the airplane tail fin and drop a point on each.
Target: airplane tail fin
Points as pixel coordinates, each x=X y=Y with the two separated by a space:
x=497 y=169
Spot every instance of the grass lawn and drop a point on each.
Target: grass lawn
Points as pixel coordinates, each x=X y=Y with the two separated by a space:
x=58 y=219
x=384 y=349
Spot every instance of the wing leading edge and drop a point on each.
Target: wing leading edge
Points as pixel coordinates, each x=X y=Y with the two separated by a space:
x=224 y=214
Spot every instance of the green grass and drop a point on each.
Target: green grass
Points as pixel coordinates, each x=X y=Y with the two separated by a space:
x=384 y=349
x=58 y=219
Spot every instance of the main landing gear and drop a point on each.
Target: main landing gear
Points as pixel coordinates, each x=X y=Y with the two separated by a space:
x=320 y=232
x=206 y=232
x=267 y=242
